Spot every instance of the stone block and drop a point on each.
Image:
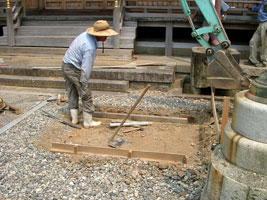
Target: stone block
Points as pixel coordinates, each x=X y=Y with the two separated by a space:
x=233 y=190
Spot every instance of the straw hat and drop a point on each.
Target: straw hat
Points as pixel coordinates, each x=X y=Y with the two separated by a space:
x=101 y=28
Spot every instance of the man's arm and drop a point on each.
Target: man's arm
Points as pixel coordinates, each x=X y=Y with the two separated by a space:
x=87 y=66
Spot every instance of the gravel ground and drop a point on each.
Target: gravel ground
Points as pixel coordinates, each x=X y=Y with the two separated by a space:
x=30 y=172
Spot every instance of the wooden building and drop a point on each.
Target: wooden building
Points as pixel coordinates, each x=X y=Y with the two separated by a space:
x=55 y=23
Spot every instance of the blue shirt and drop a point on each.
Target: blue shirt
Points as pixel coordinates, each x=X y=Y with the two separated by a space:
x=262 y=16
x=81 y=54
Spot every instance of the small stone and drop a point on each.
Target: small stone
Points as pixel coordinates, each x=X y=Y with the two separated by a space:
x=163 y=165
x=181 y=174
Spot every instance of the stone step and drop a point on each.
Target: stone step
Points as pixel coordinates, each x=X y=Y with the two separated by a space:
x=146 y=75
x=58 y=82
x=122 y=54
x=64 y=41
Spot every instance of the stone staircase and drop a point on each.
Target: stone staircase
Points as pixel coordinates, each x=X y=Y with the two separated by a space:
x=59 y=31
x=102 y=79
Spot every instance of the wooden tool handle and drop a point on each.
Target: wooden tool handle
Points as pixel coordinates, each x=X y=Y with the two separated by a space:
x=133 y=107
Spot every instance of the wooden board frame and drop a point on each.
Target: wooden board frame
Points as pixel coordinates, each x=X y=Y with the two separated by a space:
x=115 y=152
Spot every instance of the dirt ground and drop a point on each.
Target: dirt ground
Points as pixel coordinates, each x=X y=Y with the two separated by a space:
x=158 y=137
x=190 y=140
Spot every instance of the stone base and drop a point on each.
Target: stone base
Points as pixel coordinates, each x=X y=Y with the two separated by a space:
x=243 y=152
x=226 y=181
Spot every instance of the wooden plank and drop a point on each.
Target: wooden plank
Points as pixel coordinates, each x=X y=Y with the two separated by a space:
x=103 y=151
x=138 y=117
x=62 y=148
x=113 y=152
x=157 y=156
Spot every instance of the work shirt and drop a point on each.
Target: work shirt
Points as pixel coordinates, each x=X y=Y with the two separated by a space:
x=81 y=54
x=262 y=16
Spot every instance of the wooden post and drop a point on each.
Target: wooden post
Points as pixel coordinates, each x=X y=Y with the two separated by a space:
x=10 y=25
x=215 y=116
x=225 y=115
x=24 y=7
x=116 y=25
x=168 y=39
x=41 y=5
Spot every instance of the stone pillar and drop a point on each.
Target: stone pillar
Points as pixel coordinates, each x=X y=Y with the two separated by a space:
x=238 y=167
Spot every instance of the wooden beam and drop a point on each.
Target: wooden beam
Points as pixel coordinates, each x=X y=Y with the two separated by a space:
x=115 y=152
x=168 y=39
x=138 y=117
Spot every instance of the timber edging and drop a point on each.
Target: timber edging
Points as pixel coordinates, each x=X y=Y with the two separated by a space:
x=107 y=151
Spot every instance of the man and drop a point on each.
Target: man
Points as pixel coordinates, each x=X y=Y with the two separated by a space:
x=77 y=66
x=259 y=37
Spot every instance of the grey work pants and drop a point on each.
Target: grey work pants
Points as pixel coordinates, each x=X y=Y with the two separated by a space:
x=259 y=39
x=75 y=89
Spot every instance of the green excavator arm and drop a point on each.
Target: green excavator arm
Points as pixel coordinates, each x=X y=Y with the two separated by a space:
x=222 y=71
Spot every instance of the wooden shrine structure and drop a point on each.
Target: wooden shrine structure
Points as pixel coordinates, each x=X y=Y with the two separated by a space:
x=54 y=23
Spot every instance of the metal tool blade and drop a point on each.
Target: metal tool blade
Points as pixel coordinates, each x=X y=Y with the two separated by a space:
x=116 y=142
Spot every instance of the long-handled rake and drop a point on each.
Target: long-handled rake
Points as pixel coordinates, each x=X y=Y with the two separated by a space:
x=118 y=142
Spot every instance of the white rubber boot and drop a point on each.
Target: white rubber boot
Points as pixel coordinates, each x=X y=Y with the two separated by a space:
x=74 y=116
x=88 y=121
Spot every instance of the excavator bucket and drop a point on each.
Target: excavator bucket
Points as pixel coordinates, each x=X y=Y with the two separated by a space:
x=223 y=72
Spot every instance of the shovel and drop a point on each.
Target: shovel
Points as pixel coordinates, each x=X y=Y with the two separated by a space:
x=118 y=142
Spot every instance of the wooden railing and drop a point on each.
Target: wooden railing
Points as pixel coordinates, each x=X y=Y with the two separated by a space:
x=118 y=15
x=13 y=19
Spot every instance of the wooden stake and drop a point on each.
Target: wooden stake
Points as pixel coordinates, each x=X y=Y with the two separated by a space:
x=225 y=115
x=217 y=129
